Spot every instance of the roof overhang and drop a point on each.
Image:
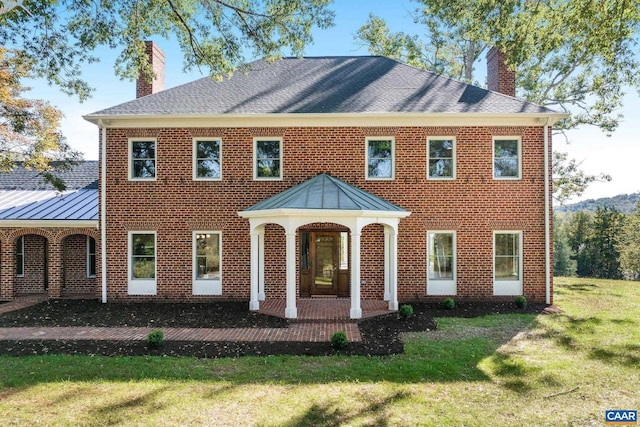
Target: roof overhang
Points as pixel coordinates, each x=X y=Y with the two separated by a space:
x=321 y=214
x=35 y=223
x=325 y=119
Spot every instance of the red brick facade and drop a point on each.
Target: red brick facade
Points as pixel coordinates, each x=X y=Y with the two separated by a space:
x=474 y=205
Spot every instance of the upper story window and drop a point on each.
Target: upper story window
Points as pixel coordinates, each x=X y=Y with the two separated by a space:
x=142 y=159
x=207 y=163
x=507 y=158
x=91 y=257
x=380 y=158
x=20 y=256
x=267 y=158
x=441 y=158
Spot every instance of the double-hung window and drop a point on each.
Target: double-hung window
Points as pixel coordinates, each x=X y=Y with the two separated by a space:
x=267 y=159
x=441 y=158
x=20 y=256
x=91 y=257
x=142 y=159
x=441 y=258
x=207 y=159
x=207 y=265
x=380 y=153
x=142 y=263
x=507 y=158
x=507 y=261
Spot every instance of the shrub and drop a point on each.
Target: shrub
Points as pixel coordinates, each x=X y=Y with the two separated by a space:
x=339 y=339
x=449 y=304
x=406 y=311
x=521 y=302
x=155 y=339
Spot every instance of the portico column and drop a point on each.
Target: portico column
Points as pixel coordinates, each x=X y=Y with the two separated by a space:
x=356 y=309
x=393 y=270
x=261 y=294
x=291 y=312
x=254 y=304
x=387 y=263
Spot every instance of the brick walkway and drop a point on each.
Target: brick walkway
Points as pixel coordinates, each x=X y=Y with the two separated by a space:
x=316 y=331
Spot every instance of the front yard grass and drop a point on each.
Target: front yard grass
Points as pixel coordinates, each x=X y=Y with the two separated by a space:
x=517 y=369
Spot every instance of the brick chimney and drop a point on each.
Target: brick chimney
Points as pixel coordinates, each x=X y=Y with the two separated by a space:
x=499 y=77
x=145 y=87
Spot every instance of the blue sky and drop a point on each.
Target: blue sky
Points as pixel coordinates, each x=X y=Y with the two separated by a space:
x=616 y=155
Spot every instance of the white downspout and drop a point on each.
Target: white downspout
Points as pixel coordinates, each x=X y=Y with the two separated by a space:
x=547 y=233
x=103 y=210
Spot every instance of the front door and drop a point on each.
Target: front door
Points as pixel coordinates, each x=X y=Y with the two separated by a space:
x=324 y=267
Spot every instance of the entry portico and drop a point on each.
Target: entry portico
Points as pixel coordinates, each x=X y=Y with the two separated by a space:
x=323 y=199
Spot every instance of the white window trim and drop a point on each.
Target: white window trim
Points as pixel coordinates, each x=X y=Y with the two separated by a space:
x=89 y=257
x=255 y=159
x=141 y=286
x=508 y=287
x=130 y=154
x=393 y=158
x=21 y=242
x=443 y=286
x=195 y=159
x=454 y=159
x=206 y=286
x=493 y=158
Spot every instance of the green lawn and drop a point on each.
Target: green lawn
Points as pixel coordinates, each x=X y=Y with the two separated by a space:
x=563 y=369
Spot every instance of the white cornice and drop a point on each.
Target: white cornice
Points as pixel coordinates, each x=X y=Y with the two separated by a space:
x=325 y=120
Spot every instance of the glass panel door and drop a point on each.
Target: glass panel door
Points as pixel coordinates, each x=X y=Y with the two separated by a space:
x=325 y=265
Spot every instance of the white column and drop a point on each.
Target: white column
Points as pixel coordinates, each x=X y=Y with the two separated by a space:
x=261 y=295
x=356 y=309
x=387 y=263
x=393 y=270
x=291 y=312
x=254 y=304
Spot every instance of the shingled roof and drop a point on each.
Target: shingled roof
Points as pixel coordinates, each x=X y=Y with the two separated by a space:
x=83 y=175
x=312 y=85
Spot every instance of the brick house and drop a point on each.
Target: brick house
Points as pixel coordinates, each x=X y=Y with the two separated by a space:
x=339 y=177
x=48 y=239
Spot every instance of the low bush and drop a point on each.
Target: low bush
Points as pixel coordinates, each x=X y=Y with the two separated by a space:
x=406 y=311
x=521 y=302
x=449 y=304
x=155 y=339
x=339 y=339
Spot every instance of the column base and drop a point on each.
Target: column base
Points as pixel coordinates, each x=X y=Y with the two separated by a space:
x=291 y=313
x=393 y=305
x=356 y=313
x=254 y=305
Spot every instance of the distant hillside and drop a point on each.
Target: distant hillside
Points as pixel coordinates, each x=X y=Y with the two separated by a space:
x=625 y=203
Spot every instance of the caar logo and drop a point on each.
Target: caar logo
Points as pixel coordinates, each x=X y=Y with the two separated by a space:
x=620 y=417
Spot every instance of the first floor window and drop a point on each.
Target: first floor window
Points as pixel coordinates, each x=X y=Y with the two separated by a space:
x=207 y=263
x=441 y=250
x=143 y=256
x=207 y=159
x=507 y=263
x=143 y=159
x=268 y=159
x=91 y=256
x=207 y=256
x=20 y=256
x=441 y=158
x=380 y=152
x=506 y=158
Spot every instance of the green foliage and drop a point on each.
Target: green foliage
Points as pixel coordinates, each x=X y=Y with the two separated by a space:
x=155 y=339
x=59 y=36
x=339 y=339
x=563 y=263
x=629 y=246
x=569 y=180
x=521 y=301
x=449 y=304
x=406 y=311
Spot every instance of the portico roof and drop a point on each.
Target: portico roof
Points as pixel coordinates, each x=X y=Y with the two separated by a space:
x=324 y=192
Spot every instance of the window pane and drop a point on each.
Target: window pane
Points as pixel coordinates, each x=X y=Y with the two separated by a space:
x=507 y=268
x=144 y=268
x=20 y=256
x=441 y=168
x=208 y=149
x=144 y=168
x=268 y=149
x=344 y=250
x=304 y=251
x=208 y=256
x=507 y=256
x=506 y=158
x=208 y=169
x=507 y=244
x=91 y=256
x=143 y=149
x=440 y=148
x=380 y=159
x=143 y=244
x=268 y=168
x=268 y=159
x=441 y=256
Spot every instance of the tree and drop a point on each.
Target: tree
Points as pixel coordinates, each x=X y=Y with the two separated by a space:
x=29 y=128
x=568 y=179
x=603 y=243
x=578 y=230
x=59 y=36
x=573 y=56
x=629 y=246
x=563 y=264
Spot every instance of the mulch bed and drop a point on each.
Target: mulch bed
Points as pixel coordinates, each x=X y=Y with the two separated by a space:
x=380 y=335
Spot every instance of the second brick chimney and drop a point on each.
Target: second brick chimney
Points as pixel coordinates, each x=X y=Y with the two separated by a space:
x=145 y=87
x=499 y=77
